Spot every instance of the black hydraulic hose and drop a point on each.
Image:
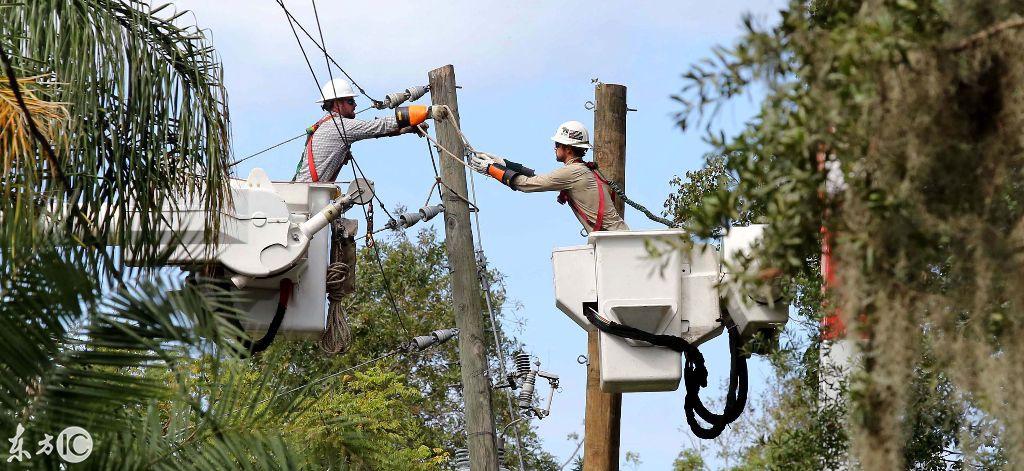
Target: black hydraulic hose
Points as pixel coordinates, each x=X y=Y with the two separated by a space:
x=695 y=373
x=275 y=324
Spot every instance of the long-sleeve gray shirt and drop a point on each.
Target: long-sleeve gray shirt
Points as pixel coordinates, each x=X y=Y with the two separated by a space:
x=331 y=149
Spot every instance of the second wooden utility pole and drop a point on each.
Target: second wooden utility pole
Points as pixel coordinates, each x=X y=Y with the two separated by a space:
x=604 y=410
x=458 y=238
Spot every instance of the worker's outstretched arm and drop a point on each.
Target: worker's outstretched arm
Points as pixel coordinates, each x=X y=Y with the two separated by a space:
x=357 y=129
x=518 y=177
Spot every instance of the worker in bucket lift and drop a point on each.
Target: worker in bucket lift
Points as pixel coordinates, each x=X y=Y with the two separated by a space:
x=579 y=184
x=328 y=142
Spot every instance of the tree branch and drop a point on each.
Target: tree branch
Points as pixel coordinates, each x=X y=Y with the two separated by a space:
x=977 y=38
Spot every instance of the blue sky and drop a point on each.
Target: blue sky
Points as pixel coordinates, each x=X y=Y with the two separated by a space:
x=525 y=67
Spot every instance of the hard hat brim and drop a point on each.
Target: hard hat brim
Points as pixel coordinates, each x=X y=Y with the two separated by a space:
x=571 y=143
x=343 y=95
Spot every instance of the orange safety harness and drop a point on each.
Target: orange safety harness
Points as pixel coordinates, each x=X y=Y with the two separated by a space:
x=309 y=147
x=564 y=197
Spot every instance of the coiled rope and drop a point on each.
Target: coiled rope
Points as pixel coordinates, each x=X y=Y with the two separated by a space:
x=337 y=338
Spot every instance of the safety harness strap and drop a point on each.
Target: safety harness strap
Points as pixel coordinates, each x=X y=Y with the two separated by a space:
x=598 y=225
x=309 y=148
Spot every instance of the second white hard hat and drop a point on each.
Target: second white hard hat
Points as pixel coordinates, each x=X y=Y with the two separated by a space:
x=334 y=89
x=572 y=133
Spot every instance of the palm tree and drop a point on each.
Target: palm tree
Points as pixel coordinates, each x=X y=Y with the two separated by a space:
x=108 y=106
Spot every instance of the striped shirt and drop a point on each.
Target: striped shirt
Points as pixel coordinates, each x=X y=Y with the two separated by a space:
x=331 y=149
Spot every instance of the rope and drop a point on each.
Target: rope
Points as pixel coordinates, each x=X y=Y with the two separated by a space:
x=450 y=154
x=340 y=279
x=615 y=187
x=472 y=204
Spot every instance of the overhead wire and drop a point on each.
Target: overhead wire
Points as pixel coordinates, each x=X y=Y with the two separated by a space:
x=275 y=146
x=406 y=347
x=323 y=48
x=355 y=167
x=481 y=261
x=292 y=22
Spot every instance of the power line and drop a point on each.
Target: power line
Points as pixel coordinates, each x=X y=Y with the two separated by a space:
x=323 y=48
x=481 y=261
x=275 y=146
x=292 y=21
x=420 y=343
x=355 y=166
x=333 y=375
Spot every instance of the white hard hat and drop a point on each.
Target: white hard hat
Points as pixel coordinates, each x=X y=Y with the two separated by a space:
x=572 y=133
x=334 y=89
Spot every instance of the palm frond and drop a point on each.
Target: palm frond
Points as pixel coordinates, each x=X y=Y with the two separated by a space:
x=16 y=141
x=147 y=124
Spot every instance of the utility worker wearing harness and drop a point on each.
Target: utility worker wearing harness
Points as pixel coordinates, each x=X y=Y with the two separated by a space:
x=579 y=183
x=328 y=142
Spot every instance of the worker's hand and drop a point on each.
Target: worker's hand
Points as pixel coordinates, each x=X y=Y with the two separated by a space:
x=481 y=160
x=414 y=130
x=498 y=160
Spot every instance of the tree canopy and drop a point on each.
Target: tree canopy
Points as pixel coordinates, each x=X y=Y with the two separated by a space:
x=915 y=103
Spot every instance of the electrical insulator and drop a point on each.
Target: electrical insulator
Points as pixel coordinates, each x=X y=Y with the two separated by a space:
x=415 y=93
x=436 y=337
x=522 y=364
x=528 y=386
x=428 y=212
x=409 y=219
x=460 y=461
x=392 y=100
x=525 y=377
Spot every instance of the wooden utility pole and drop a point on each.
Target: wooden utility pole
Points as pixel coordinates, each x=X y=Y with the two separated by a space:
x=604 y=410
x=458 y=238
